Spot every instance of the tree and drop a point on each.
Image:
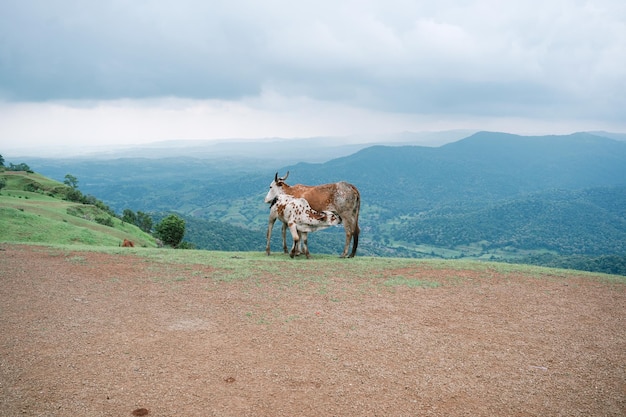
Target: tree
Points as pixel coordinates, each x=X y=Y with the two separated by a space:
x=3 y=183
x=144 y=221
x=71 y=181
x=74 y=195
x=129 y=216
x=19 y=167
x=171 y=230
x=1 y=161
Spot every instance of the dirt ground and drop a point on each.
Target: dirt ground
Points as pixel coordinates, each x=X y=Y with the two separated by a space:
x=92 y=334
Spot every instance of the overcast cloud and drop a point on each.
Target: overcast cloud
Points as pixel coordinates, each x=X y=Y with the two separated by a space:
x=132 y=71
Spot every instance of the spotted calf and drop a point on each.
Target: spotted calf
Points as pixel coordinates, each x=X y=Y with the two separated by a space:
x=301 y=219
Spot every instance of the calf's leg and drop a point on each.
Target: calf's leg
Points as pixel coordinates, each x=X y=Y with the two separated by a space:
x=270 y=226
x=296 y=239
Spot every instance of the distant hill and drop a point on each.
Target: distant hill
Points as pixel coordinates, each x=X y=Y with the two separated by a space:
x=484 y=167
x=250 y=154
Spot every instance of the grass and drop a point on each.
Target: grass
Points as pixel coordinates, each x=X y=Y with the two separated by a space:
x=42 y=217
x=48 y=224
x=321 y=269
x=77 y=260
x=411 y=283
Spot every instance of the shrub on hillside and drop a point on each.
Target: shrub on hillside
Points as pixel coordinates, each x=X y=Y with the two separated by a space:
x=171 y=230
x=106 y=221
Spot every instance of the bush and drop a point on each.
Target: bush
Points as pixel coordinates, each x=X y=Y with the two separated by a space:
x=171 y=230
x=106 y=221
x=32 y=187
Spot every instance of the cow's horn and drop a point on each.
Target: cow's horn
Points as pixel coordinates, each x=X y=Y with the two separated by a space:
x=285 y=177
x=276 y=177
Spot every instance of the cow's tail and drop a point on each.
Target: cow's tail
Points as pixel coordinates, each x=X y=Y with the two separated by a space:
x=357 y=230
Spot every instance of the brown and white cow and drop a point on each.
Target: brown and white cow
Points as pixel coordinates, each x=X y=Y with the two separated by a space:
x=301 y=219
x=340 y=197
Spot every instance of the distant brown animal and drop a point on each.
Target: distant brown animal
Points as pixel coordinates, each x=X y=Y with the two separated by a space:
x=341 y=198
x=128 y=244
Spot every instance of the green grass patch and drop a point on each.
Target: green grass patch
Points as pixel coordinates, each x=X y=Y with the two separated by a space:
x=364 y=275
x=358 y=271
x=410 y=282
x=77 y=260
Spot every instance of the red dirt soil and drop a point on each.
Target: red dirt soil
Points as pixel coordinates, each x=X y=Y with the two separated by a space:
x=93 y=334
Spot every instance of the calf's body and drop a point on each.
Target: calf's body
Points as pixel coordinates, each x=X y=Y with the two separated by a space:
x=302 y=219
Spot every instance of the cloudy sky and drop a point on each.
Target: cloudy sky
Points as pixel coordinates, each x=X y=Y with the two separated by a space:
x=82 y=72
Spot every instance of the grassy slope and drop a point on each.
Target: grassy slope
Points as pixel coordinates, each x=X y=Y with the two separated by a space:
x=42 y=217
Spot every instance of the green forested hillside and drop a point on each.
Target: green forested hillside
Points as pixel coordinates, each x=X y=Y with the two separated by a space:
x=589 y=222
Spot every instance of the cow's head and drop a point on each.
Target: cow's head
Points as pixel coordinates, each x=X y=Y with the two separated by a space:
x=276 y=187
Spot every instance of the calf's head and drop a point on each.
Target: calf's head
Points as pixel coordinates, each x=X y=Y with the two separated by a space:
x=332 y=218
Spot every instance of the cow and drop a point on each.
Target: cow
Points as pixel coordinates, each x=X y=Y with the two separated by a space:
x=340 y=197
x=128 y=244
x=301 y=219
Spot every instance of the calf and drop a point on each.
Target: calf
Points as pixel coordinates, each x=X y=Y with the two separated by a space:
x=301 y=219
x=270 y=226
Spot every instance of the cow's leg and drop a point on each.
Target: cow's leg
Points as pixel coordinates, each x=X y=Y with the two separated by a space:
x=355 y=240
x=299 y=247
x=270 y=226
x=346 y=246
x=352 y=230
x=347 y=226
x=305 y=244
